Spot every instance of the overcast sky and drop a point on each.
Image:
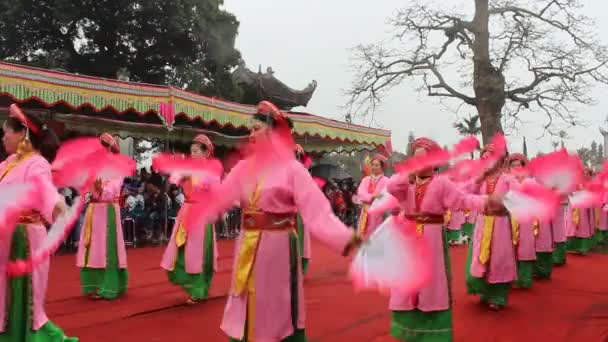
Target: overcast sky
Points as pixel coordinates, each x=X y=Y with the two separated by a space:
x=305 y=40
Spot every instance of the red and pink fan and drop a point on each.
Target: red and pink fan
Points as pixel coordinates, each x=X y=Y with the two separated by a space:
x=558 y=170
x=14 y=200
x=532 y=201
x=585 y=199
x=393 y=259
x=438 y=157
x=385 y=202
x=205 y=170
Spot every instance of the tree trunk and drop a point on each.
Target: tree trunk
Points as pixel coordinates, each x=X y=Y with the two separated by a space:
x=488 y=82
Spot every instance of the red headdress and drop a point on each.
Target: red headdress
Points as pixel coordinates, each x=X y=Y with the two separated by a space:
x=518 y=156
x=425 y=143
x=17 y=113
x=205 y=141
x=276 y=116
x=109 y=139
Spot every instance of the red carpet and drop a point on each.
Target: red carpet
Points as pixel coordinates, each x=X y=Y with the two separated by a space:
x=571 y=307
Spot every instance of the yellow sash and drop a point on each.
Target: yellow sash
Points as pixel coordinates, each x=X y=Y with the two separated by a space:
x=447 y=217
x=576 y=217
x=362 y=227
x=248 y=250
x=598 y=213
x=486 y=239
x=536 y=227
x=515 y=231
x=181 y=235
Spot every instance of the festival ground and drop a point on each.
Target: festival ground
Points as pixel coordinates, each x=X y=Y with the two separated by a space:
x=571 y=307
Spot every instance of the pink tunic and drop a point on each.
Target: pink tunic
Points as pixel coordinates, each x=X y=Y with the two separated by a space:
x=99 y=228
x=603 y=220
x=544 y=240
x=457 y=219
x=194 y=248
x=501 y=268
x=585 y=227
x=36 y=234
x=559 y=224
x=441 y=194
x=365 y=194
x=284 y=190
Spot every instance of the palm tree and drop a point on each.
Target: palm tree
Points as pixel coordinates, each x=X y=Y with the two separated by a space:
x=469 y=127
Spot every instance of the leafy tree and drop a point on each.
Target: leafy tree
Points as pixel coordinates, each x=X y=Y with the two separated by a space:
x=185 y=43
x=503 y=57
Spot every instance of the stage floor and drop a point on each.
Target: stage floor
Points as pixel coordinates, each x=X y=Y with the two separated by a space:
x=572 y=306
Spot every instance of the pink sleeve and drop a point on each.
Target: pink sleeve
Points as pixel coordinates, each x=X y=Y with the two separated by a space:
x=362 y=194
x=453 y=197
x=470 y=186
x=48 y=194
x=398 y=186
x=316 y=212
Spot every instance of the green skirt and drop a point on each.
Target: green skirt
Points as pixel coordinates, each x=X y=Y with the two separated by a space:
x=419 y=326
x=110 y=282
x=431 y=326
x=299 y=335
x=580 y=245
x=305 y=261
x=601 y=236
x=474 y=286
x=19 y=296
x=196 y=285
x=559 y=254
x=524 y=274
x=543 y=266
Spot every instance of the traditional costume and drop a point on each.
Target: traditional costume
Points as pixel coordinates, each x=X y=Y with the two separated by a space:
x=102 y=255
x=454 y=220
x=266 y=298
x=579 y=230
x=493 y=266
x=427 y=315
x=524 y=236
x=191 y=255
x=467 y=229
x=369 y=190
x=22 y=298
x=602 y=223
x=303 y=234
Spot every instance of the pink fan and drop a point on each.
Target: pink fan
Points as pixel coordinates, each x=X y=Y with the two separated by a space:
x=558 y=170
x=585 y=199
x=178 y=168
x=464 y=170
x=58 y=232
x=76 y=149
x=393 y=259
x=500 y=148
x=14 y=200
x=110 y=166
x=438 y=157
x=320 y=182
x=530 y=201
x=384 y=203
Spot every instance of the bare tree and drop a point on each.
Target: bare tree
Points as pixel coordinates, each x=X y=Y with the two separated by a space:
x=510 y=55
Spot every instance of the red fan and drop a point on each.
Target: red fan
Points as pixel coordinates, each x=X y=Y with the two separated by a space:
x=585 y=199
x=76 y=149
x=204 y=170
x=558 y=170
x=393 y=259
x=438 y=157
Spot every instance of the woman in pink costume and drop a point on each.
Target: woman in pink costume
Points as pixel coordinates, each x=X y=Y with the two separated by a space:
x=101 y=255
x=493 y=266
x=427 y=314
x=580 y=229
x=524 y=234
x=369 y=190
x=191 y=255
x=559 y=233
x=266 y=298
x=602 y=213
x=31 y=145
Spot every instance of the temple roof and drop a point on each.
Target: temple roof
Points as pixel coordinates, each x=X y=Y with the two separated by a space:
x=267 y=87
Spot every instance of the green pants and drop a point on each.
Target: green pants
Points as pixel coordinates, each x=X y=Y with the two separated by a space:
x=524 y=274
x=543 y=266
x=580 y=245
x=196 y=285
x=559 y=254
x=419 y=326
x=110 y=282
